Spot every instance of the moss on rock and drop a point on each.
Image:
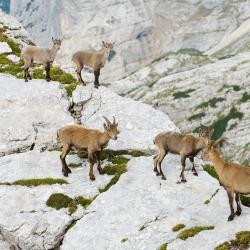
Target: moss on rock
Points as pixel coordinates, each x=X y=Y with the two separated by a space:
x=191 y=232
x=58 y=201
x=178 y=227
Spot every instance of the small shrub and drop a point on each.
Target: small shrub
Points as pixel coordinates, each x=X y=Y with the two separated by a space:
x=211 y=103
x=182 y=94
x=124 y=240
x=74 y=165
x=58 y=201
x=178 y=227
x=191 y=232
x=196 y=116
x=163 y=246
x=120 y=160
x=245 y=200
x=245 y=97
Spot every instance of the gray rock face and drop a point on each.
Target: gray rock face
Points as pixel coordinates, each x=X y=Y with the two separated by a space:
x=142 y=30
x=30 y=114
x=194 y=90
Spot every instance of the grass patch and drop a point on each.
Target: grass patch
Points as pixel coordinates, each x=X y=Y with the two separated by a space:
x=163 y=246
x=196 y=116
x=124 y=240
x=178 y=227
x=182 y=94
x=71 y=87
x=35 y=182
x=220 y=125
x=191 y=232
x=211 y=171
x=12 y=69
x=59 y=200
x=245 y=200
x=75 y=165
x=241 y=242
x=225 y=57
x=117 y=171
x=245 y=97
x=190 y=51
x=211 y=103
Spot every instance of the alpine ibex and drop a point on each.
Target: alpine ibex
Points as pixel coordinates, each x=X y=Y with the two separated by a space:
x=38 y=55
x=94 y=60
x=83 y=138
x=187 y=146
x=234 y=178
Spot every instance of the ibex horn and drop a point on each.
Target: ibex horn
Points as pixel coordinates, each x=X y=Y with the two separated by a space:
x=107 y=120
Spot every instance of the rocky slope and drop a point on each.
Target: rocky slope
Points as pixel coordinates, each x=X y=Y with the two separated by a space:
x=126 y=208
x=194 y=90
x=142 y=30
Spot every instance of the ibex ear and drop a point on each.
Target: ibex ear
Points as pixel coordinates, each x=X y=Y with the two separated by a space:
x=103 y=43
x=105 y=126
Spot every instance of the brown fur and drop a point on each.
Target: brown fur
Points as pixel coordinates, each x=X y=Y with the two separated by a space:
x=234 y=178
x=94 y=60
x=185 y=145
x=38 y=55
x=92 y=140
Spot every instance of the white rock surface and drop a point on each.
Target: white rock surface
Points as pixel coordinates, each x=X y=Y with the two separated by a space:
x=138 y=123
x=13 y=58
x=159 y=205
x=5 y=48
x=25 y=219
x=30 y=113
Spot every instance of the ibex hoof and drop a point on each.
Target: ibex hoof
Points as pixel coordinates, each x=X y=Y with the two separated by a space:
x=65 y=174
x=92 y=177
x=196 y=174
x=231 y=217
x=68 y=170
x=157 y=173
x=163 y=178
x=26 y=80
x=101 y=172
x=48 y=80
x=238 y=213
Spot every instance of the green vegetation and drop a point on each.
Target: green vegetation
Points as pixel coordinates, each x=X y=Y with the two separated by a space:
x=225 y=57
x=35 y=182
x=71 y=87
x=59 y=200
x=211 y=171
x=196 y=116
x=117 y=171
x=124 y=240
x=75 y=165
x=245 y=97
x=211 y=103
x=178 y=227
x=190 y=51
x=163 y=246
x=190 y=232
x=220 y=125
x=236 y=87
x=142 y=227
x=242 y=242
x=206 y=202
x=182 y=94
x=245 y=200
